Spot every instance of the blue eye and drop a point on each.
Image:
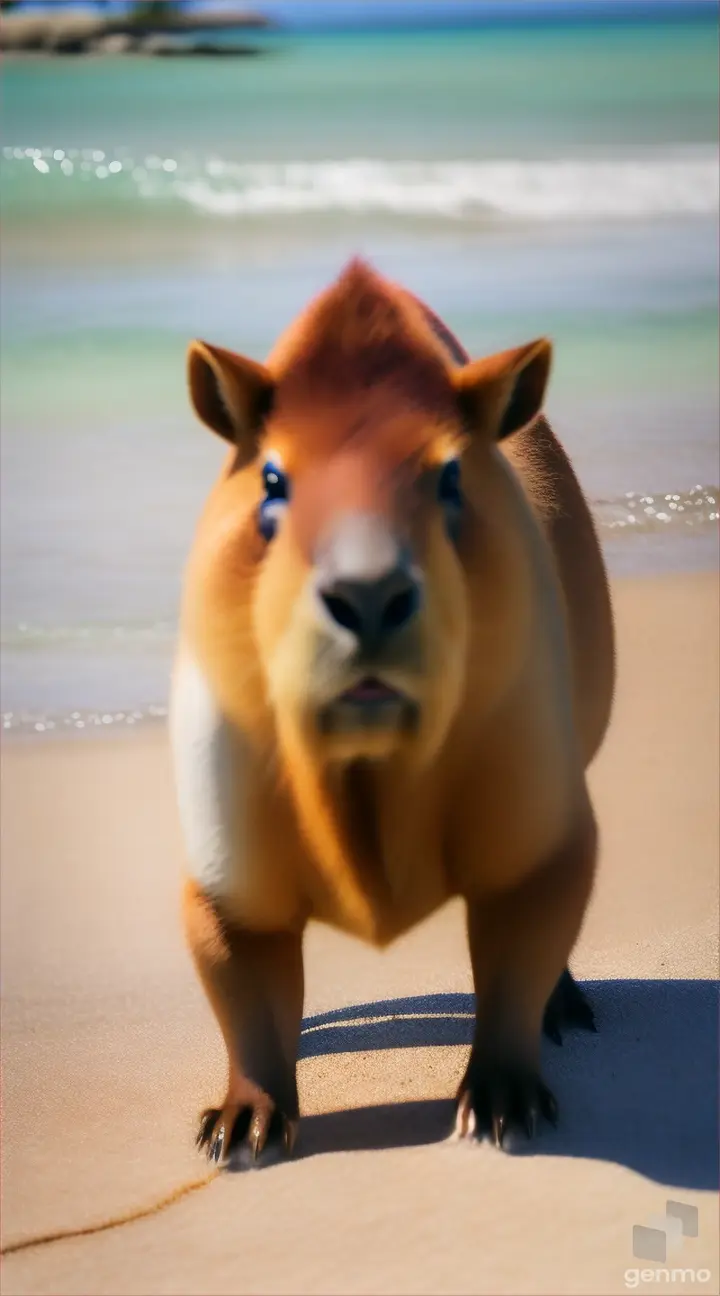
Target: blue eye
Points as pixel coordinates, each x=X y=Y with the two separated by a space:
x=275 y=485
x=275 y=482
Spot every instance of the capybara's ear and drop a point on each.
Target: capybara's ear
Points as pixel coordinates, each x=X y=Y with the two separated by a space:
x=231 y=394
x=502 y=393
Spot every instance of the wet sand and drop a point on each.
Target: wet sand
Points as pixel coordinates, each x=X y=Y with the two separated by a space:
x=109 y=1050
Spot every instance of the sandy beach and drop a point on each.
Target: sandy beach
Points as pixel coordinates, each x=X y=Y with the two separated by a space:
x=110 y=1051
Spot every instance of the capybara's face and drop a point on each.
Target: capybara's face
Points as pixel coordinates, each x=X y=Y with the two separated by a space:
x=329 y=587
x=335 y=584
x=364 y=644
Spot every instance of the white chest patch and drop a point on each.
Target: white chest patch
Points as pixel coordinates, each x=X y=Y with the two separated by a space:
x=211 y=780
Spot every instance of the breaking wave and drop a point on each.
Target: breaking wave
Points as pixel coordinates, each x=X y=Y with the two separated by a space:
x=682 y=182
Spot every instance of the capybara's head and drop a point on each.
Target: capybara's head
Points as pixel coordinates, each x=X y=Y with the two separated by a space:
x=358 y=562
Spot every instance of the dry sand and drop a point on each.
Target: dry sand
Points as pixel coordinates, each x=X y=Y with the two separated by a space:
x=110 y=1051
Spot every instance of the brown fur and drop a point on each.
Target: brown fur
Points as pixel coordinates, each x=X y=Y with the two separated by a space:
x=365 y=392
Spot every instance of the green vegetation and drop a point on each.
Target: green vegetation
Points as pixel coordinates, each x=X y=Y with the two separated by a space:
x=154 y=13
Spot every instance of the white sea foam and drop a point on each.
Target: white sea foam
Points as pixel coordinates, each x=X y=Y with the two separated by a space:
x=530 y=190
x=683 y=181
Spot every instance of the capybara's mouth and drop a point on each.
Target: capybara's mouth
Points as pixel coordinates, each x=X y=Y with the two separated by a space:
x=371 y=690
x=369 y=704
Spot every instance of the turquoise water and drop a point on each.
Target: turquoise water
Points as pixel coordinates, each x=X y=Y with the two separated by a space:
x=524 y=181
x=475 y=94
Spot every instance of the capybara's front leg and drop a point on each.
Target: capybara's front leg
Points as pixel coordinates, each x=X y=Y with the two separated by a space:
x=254 y=982
x=520 y=941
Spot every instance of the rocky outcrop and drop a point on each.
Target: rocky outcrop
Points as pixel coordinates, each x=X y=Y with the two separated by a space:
x=171 y=46
x=78 y=32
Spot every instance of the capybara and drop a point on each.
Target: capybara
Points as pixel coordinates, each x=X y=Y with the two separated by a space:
x=396 y=660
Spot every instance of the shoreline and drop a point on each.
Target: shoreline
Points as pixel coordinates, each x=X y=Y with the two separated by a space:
x=144 y=49
x=85 y=724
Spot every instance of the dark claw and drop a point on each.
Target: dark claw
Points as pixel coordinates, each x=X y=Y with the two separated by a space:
x=288 y=1138
x=504 y=1096
x=226 y=1131
x=256 y=1137
x=207 y=1122
x=216 y=1147
x=498 y=1130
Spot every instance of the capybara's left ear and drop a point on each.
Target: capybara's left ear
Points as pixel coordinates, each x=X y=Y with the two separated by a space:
x=502 y=393
x=231 y=394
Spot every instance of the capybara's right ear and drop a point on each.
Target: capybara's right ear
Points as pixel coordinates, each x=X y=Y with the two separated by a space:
x=502 y=393
x=231 y=394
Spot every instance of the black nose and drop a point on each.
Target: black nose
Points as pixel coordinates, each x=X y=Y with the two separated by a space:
x=373 y=610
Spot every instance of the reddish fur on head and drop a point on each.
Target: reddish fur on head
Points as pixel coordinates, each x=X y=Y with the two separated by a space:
x=358 y=402
x=363 y=349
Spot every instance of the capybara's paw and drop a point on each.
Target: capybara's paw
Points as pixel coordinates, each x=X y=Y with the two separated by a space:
x=497 y=1098
x=244 y=1135
x=567 y=1008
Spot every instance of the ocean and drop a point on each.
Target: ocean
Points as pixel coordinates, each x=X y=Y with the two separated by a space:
x=560 y=180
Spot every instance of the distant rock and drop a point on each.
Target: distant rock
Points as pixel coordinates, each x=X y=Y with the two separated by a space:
x=176 y=47
x=117 y=43
x=80 y=32
x=64 y=32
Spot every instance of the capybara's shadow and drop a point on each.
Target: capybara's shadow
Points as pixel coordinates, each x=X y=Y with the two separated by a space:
x=642 y=1092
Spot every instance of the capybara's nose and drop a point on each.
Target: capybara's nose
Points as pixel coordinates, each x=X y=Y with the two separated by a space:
x=373 y=610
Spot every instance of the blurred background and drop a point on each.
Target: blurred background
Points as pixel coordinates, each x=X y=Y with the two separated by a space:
x=171 y=171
